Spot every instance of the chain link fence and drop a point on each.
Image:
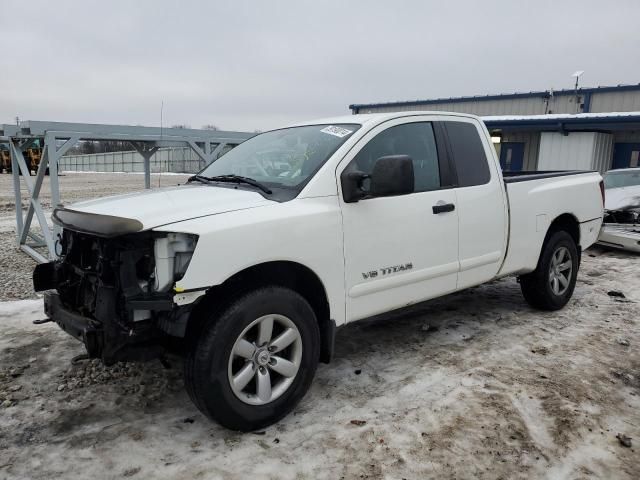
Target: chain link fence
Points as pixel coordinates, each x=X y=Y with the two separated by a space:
x=176 y=160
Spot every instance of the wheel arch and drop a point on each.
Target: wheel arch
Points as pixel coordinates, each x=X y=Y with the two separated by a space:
x=566 y=222
x=284 y=273
x=535 y=285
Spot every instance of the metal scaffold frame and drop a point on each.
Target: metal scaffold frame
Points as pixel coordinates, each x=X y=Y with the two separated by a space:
x=56 y=138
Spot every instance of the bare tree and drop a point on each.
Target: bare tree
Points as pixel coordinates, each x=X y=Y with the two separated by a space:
x=84 y=147
x=210 y=127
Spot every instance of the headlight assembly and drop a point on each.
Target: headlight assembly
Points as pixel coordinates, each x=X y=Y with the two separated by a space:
x=173 y=253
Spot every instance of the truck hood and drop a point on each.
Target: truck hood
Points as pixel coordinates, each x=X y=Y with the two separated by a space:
x=145 y=210
x=622 y=198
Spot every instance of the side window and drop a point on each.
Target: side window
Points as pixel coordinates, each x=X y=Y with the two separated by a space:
x=468 y=154
x=414 y=139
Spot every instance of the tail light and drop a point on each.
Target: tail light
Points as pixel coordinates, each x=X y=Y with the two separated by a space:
x=602 y=191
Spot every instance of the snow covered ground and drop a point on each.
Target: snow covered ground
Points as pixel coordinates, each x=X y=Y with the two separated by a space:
x=474 y=385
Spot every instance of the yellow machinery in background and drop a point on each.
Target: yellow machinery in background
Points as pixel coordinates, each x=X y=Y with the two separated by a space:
x=32 y=157
x=5 y=159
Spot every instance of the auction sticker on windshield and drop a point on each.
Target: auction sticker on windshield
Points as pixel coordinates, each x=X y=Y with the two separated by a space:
x=337 y=131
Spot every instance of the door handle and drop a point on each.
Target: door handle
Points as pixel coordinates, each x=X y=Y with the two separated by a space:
x=443 y=208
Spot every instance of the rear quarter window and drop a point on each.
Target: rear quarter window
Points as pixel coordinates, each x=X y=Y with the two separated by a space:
x=468 y=154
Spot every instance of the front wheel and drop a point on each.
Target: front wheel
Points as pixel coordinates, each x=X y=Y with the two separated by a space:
x=255 y=361
x=551 y=284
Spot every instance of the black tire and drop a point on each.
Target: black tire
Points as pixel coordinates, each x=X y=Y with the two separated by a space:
x=207 y=364
x=537 y=287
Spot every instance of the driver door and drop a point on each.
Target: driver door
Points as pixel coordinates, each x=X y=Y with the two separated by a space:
x=400 y=250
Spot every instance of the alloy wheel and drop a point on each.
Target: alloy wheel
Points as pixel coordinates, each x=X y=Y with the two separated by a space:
x=560 y=271
x=265 y=359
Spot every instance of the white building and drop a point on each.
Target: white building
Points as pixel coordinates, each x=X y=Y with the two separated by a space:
x=591 y=128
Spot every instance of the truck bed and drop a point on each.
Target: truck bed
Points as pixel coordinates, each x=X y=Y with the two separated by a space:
x=535 y=199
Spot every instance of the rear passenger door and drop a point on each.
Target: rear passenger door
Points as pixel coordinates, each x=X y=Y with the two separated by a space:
x=399 y=249
x=482 y=211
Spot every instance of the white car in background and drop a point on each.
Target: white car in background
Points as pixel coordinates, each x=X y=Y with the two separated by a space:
x=621 y=228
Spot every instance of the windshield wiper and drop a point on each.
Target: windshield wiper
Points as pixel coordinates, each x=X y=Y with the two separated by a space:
x=198 y=178
x=231 y=179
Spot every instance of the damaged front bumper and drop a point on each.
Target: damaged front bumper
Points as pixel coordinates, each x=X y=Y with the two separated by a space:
x=105 y=340
x=620 y=235
x=85 y=329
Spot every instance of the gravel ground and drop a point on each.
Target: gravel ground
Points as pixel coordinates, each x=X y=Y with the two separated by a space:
x=473 y=385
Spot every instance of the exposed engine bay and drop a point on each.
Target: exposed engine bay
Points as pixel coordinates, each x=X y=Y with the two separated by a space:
x=116 y=293
x=622 y=217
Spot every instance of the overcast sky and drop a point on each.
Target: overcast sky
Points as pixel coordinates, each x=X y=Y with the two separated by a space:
x=256 y=65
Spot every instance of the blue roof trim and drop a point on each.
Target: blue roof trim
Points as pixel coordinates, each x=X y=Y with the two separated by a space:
x=504 y=96
x=567 y=123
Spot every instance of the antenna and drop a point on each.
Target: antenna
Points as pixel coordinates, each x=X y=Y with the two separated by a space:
x=547 y=98
x=577 y=76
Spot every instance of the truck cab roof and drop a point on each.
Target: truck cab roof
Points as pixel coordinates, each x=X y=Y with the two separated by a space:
x=370 y=119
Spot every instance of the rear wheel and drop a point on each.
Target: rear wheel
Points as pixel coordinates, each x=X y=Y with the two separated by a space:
x=551 y=284
x=255 y=361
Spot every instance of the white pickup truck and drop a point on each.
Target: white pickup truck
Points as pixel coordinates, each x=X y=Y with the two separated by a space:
x=251 y=266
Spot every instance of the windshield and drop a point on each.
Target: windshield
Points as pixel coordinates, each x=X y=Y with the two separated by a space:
x=284 y=158
x=629 y=178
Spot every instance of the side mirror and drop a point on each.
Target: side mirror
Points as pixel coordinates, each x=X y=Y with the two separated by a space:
x=391 y=175
x=352 y=186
